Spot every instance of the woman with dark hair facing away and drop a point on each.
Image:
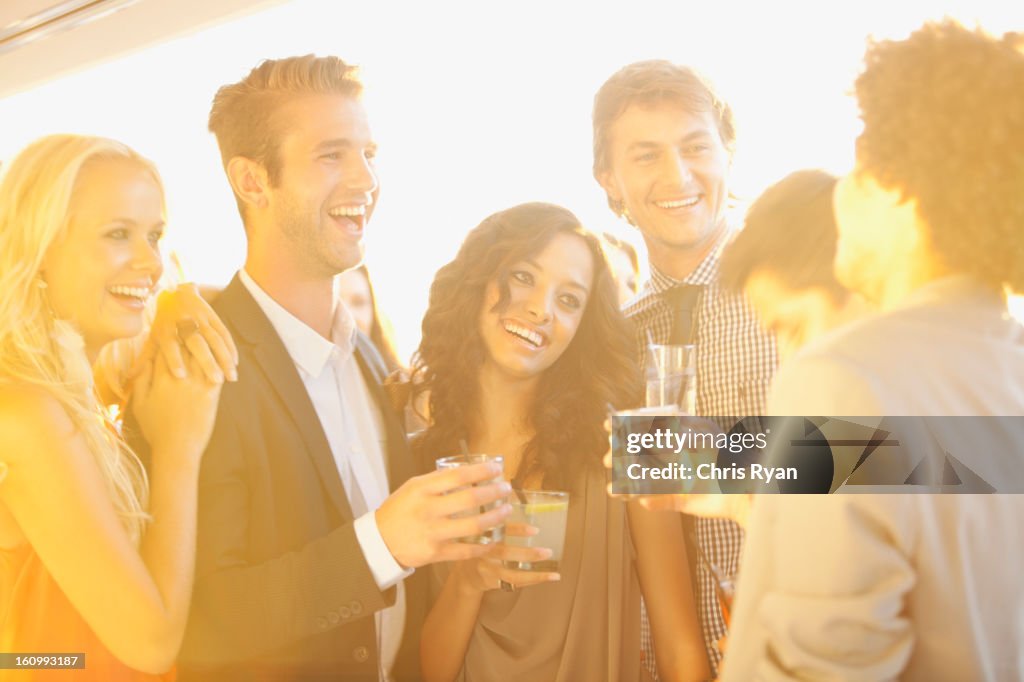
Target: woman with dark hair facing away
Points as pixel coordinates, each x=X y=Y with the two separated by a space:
x=523 y=350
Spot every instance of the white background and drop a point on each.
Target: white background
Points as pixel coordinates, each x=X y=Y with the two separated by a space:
x=478 y=106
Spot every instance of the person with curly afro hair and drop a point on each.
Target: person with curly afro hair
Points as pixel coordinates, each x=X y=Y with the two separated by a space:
x=931 y=228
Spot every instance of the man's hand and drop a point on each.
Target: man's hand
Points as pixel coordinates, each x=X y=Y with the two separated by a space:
x=415 y=521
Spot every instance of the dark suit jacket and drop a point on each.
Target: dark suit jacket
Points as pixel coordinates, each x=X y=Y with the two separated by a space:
x=282 y=588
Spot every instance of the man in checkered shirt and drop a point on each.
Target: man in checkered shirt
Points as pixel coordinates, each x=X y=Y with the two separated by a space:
x=663 y=145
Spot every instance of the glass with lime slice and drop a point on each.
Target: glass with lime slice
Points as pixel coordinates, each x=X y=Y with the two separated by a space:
x=548 y=511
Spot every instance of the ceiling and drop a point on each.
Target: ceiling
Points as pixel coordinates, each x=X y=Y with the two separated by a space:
x=116 y=27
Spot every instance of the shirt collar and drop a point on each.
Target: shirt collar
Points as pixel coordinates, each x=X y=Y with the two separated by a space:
x=307 y=349
x=703 y=275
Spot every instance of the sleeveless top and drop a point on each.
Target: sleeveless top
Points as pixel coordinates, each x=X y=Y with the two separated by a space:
x=36 y=618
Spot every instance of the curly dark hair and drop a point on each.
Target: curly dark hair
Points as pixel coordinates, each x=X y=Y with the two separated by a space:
x=943 y=116
x=597 y=369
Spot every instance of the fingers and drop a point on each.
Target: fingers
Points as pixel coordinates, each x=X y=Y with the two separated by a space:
x=144 y=359
x=493 y=572
x=450 y=529
x=526 y=578
x=170 y=349
x=444 y=481
x=470 y=498
x=226 y=340
x=197 y=371
x=208 y=340
x=198 y=345
x=506 y=552
x=520 y=530
x=453 y=550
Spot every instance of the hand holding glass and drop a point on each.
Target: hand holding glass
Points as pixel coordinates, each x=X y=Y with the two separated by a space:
x=495 y=534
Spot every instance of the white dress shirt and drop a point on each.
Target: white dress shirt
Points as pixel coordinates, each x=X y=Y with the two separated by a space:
x=356 y=435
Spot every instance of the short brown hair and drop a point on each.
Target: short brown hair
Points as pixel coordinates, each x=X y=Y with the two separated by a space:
x=244 y=114
x=656 y=82
x=790 y=232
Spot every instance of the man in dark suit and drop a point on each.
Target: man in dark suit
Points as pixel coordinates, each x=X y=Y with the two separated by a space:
x=310 y=522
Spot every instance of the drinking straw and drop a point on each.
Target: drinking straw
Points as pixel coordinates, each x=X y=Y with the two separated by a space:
x=465 y=451
x=654 y=356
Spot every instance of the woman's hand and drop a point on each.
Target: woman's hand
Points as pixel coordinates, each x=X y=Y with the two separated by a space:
x=185 y=321
x=488 y=572
x=176 y=415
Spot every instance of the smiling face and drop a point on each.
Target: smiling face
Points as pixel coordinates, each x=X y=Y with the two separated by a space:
x=669 y=167
x=327 y=185
x=547 y=297
x=107 y=264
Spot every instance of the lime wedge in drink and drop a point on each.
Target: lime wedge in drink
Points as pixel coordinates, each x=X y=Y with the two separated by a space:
x=542 y=507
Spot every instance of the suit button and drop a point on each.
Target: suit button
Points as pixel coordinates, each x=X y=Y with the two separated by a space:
x=345 y=612
x=357 y=608
x=321 y=623
x=333 y=617
x=361 y=654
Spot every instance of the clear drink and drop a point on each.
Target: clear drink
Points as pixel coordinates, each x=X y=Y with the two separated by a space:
x=665 y=390
x=671 y=373
x=495 y=534
x=548 y=511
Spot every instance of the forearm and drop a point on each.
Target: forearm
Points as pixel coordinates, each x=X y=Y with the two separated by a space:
x=448 y=628
x=664 y=573
x=168 y=547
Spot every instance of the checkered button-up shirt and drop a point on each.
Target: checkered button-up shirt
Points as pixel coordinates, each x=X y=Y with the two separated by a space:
x=735 y=363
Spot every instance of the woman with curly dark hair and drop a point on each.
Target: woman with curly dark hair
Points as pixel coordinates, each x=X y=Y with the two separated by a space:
x=523 y=350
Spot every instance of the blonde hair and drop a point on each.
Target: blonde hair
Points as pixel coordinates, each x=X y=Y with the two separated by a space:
x=37 y=350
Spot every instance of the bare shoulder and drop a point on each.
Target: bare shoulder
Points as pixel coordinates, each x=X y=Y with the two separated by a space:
x=31 y=420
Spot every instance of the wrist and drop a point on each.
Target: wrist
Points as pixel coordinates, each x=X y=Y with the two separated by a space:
x=466 y=585
x=383 y=528
x=180 y=462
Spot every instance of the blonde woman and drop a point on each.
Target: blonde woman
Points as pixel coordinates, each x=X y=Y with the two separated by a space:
x=94 y=557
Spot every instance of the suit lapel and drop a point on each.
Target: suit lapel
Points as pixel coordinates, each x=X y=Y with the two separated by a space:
x=245 y=315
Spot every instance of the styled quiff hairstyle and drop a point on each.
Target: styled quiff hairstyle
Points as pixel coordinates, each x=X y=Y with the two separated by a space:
x=246 y=116
x=943 y=116
x=790 y=232
x=649 y=84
